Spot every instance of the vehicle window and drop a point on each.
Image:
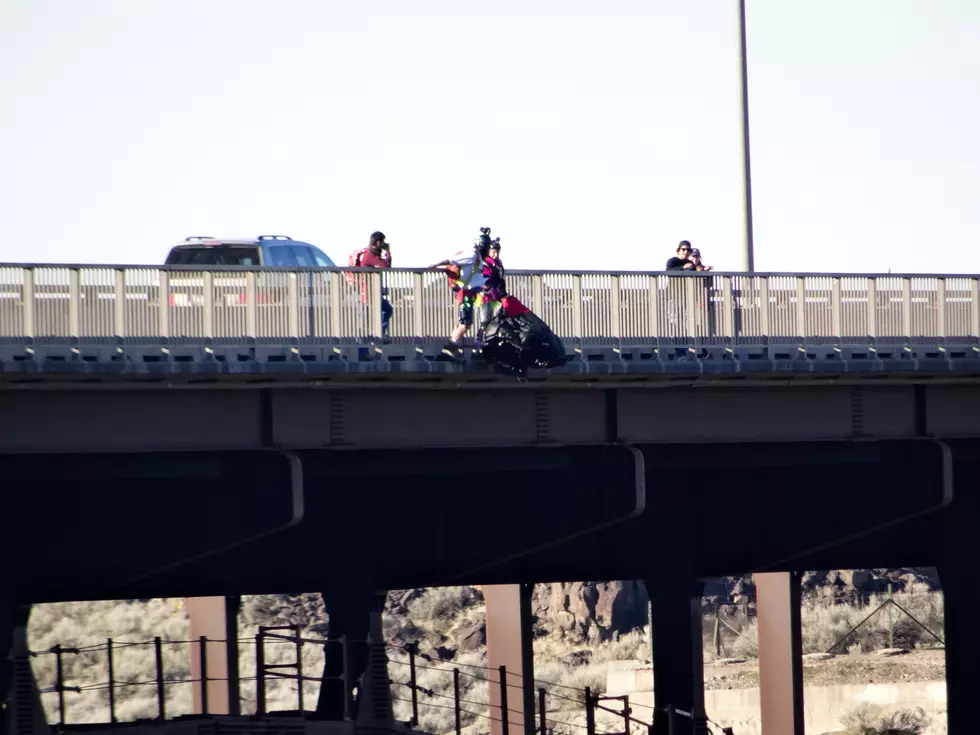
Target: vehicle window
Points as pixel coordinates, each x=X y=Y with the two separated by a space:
x=214 y=255
x=281 y=255
x=321 y=260
x=303 y=257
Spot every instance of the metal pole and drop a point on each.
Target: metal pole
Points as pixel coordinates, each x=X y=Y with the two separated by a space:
x=626 y=714
x=348 y=684
x=891 y=624
x=456 y=708
x=542 y=713
x=412 y=650
x=260 y=671
x=60 y=682
x=748 y=243
x=589 y=712
x=112 y=681
x=161 y=696
x=232 y=604
x=204 y=673
x=504 y=709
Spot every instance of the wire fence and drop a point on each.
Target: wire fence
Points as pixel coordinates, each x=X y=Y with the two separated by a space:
x=478 y=694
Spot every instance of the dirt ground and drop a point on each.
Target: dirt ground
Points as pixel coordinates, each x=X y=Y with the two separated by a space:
x=866 y=668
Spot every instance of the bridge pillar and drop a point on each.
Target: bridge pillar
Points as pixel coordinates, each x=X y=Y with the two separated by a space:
x=678 y=657
x=349 y=610
x=780 y=652
x=510 y=643
x=208 y=616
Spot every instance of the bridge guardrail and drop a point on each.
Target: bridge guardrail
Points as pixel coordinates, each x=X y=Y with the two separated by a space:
x=342 y=305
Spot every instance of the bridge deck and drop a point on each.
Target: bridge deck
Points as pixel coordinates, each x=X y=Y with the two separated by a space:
x=146 y=322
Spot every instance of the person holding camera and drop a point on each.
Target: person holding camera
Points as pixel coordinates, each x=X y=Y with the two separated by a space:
x=376 y=255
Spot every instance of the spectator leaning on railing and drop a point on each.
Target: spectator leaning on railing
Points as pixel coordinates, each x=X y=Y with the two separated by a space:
x=681 y=261
x=376 y=255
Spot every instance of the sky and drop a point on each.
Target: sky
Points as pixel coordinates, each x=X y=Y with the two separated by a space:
x=587 y=135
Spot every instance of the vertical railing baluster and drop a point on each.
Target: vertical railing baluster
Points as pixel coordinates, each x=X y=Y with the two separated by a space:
x=537 y=295
x=975 y=308
x=207 y=320
x=299 y=668
x=801 y=330
x=413 y=680
x=251 y=298
x=653 y=307
x=418 y=301
x=292 y=305
x=576 y=311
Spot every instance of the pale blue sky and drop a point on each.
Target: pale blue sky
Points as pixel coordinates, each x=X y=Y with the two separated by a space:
x=586 y=134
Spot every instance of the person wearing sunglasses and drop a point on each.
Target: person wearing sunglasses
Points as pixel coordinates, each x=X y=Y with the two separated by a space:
x=681 y=261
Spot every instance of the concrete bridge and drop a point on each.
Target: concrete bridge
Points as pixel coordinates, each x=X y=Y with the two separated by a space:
x=355 y=472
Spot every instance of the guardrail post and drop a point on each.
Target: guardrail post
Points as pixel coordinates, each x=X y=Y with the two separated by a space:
x=456 y=704
x=801 y=308
x=74 y=305
x=537 y=294
x=975 y=307
x=119 y=304
x=691 y=305
x=836 y=323
x=251 y=299
x=260 y=672
x=203 y=643
x=907 y=307
x=207 y=323
x=576 y=311
x=941 y=308
x=112 y=681
x=161 y=694
x=504 y=709
x=418 y=300
x=614 y=306
x=292 y=304
x=413 y=680
x=653 y=307
x=164 y=305
x=763 y=305
x=671 y=720
x=60 y=682
x=626 y=714
x=872 y=308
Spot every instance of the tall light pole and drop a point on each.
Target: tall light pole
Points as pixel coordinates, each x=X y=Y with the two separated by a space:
x=748 y=244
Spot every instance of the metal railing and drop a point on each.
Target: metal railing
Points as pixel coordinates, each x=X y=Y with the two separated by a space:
x=149 y=304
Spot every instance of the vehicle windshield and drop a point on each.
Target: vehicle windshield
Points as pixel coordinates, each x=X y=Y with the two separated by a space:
x=214 y=255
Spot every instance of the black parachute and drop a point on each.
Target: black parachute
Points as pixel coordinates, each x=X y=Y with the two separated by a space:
x=516 y=340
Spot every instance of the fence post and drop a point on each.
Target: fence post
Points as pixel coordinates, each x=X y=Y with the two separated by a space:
x=717 y=633
x=412 y=651
x=348 y=684
x=456 y=707
x=671 y=720
x=112 y=681
x=626 y=715
x=299 y=670
x=60 y=683
x=542 y=712
x=204 y=674
x=589 y=712
x=504 y=709
x=260 y=672
x=891 y=622
x=158 y=653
